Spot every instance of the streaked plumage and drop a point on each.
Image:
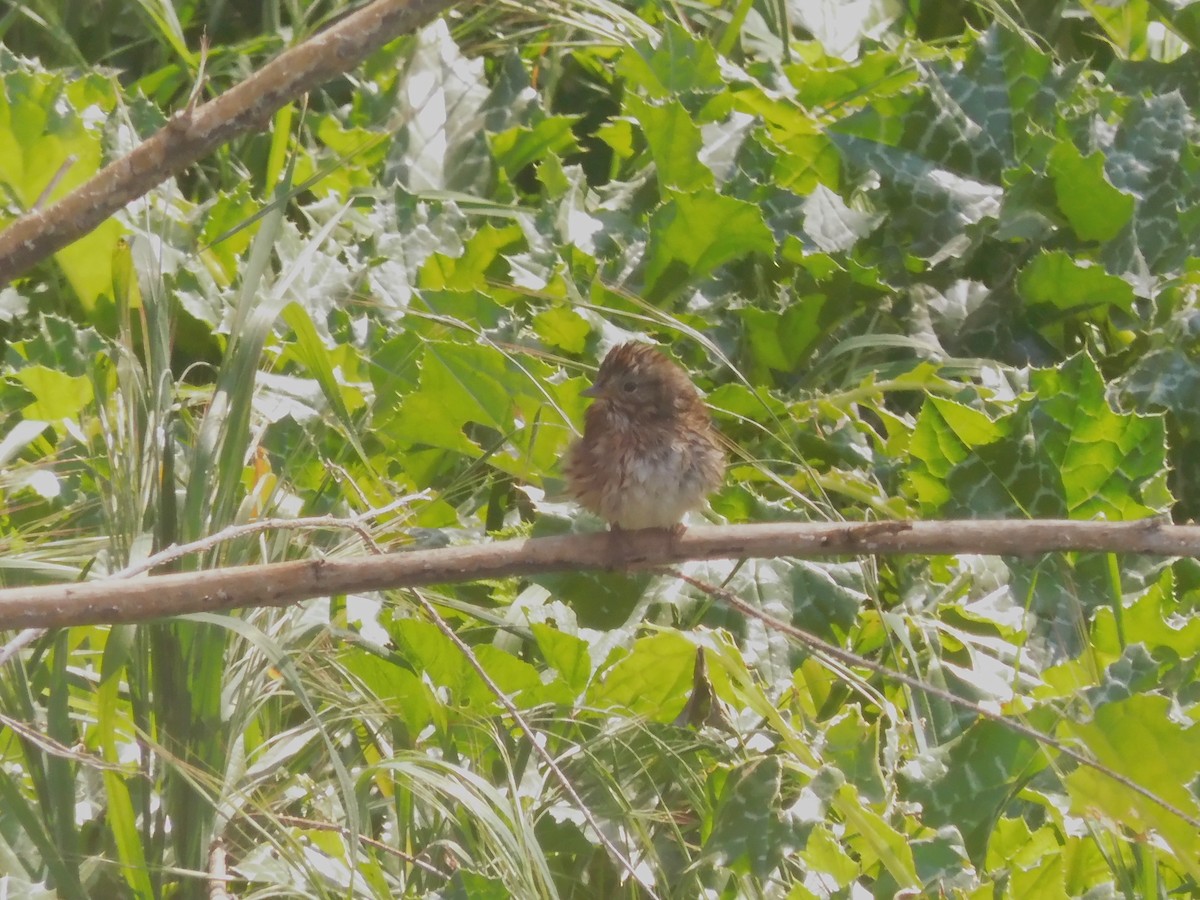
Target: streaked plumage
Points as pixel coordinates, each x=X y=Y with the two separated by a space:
x=649 y=453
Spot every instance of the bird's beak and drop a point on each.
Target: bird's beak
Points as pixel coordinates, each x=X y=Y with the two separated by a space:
x=593 y=391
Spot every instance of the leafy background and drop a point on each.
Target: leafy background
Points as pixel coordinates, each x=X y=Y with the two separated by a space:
x=927 y=260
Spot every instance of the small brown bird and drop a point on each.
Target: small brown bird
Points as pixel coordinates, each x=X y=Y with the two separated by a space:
x=649 y=452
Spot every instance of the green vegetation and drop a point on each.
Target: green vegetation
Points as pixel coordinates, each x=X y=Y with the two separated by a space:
x=937 y=262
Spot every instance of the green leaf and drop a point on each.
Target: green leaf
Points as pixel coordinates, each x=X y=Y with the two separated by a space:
x=875 y=841
x=312 y=353
x=563 y=328
x=675 y=143
x=1111 y=464
x=516 y=148
x=974 y=780
x=1148 y=621
x=1055 y=279
x=442 y=144
x=831 y=225
x=824 y=853
x=693 y=234
x=946 y=435
x=782 y=341
x=57 y=396
x=566 y=654
x=678 y=64
x=930 y=205
x=1096 y=210
x=474 y=269
x=402 y=689
x=750 y=832
x=1062 y=452
x=1139 y=738
x=652 y=680
x=1126 y=26
x=1149 y=156
x=51 y=142
x=436 y=657
x=462 y=384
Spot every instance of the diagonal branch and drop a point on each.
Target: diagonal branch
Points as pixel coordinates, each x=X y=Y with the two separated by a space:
x=991 y=713
x=280 y=584
x=193 y=133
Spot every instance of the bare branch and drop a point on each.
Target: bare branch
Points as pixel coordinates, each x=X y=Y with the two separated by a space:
x=193 y=133
x=280 y=584
x=356 y=523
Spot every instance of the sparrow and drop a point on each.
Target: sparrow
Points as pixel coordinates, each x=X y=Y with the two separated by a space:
x=649 y=453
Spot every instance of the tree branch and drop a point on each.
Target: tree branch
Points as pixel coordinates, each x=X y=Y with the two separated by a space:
x=280 y=584
x=193 y=133
x=990 y=712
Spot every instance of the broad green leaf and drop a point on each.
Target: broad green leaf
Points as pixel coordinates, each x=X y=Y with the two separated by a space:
x=852 y=745
x=679 y=64
x=312 y=353
x=824 y=81
x=442 y=105
x=780 y=341
x=825 y=854
x=1096 y=210
x=565 y=653
x=651 y=680
x=947 y=433
x=1013 y=842
x=974 y=780
x=431 y=653
x=798 y=156
x=1110 y=463
x=675 y=143
x=1072 y=287
x=692 y=234
x=831 y=225
x=931 y=206
x=462 y=385
x=750 y=831
x=57 y=396
x=563 y=328
x=1139 y=739
x=51 y=142
x=402 y=689
x=1062 y=452
x=876 y=842
x=519 y=147
x=1149 y=157
x=1146 y=621
x=229 y=227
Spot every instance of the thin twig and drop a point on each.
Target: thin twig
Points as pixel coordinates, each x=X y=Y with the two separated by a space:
x=298 y=822
x=853 y=659
x=304 y=523
x=52 y=747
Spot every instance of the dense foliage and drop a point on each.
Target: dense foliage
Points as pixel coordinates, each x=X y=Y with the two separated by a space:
x=927 y=260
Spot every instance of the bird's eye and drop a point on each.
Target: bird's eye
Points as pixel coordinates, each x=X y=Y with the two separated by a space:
x=629 y=385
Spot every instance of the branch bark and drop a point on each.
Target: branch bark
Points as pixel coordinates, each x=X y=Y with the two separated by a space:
x=192 y=134
x=280 y=584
